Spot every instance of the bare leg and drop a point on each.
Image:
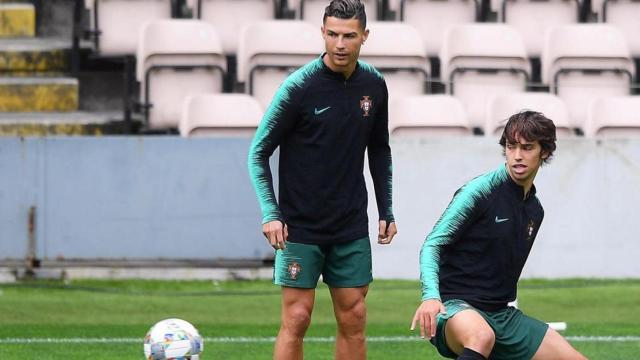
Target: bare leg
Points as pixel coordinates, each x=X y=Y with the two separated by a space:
x=351 y=315
x=297 y=305
x=468 y=329
x=555 y=347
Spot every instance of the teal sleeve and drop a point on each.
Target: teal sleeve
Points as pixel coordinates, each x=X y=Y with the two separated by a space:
x=277 y=121
x=380 y=164
x=462 y=211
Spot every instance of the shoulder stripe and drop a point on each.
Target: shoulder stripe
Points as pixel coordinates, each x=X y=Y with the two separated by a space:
x=450 y=224
x=267 y=137
x=370 y=69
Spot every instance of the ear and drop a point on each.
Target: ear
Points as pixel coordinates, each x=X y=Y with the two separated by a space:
x=544 y=155
x=365 y=35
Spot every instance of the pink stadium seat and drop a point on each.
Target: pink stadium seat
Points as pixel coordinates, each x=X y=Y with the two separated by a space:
x=230 y=16
x=503 y=106
x=428 y=116
x=623 y=14
x=479 y=61
x=177 y=58
x=581 y=62
x=433 y=17
x=313 y=10
x=398 y=52
x=263 y=61
x=226 y=115
x=532 y=18
x=116 y=23
x=614 y=117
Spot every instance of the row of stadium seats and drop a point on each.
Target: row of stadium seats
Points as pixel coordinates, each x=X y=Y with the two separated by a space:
x=224 y=115
x=112 y=22
x=478 y=61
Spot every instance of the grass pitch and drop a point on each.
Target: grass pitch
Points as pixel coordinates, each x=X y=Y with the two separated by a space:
x=92 y=319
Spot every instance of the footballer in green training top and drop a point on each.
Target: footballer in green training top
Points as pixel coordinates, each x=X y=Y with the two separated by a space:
x=323 y=118
x=471 y=261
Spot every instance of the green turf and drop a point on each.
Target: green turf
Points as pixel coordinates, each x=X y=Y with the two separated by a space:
x=126 y=309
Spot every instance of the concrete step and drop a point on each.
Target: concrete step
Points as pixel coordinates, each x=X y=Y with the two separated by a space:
x=76 y=123
x=34 y=55
x=30 y=94
x=17 y=20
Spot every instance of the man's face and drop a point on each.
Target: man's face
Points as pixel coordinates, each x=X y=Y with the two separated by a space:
x=342 y=39
x=523 y=160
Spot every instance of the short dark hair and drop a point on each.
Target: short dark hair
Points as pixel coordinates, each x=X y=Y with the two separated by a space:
x=346 y=9
x=532 y=126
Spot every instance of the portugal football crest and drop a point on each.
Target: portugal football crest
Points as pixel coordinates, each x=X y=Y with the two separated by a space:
x=366 y=104
x=294 y=270
x=530 y=229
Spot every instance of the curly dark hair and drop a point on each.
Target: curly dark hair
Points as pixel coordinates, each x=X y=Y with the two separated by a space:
x=532 y=126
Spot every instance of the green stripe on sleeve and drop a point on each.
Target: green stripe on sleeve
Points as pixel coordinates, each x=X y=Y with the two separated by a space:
x=460 y=213
x=279 y=118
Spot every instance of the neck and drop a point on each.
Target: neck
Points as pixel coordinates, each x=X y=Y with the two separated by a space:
x=526 y=184
x=346 y=71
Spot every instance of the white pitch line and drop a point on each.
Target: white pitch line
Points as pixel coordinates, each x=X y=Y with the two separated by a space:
x=267 y=339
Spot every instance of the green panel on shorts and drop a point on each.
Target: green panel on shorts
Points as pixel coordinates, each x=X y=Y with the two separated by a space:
x=341 y=265
x=518 y=336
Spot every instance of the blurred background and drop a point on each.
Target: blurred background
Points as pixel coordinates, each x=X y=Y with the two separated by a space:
x=125 y=127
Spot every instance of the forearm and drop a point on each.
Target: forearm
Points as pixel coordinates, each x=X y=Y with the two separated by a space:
x=381 y=169
x=262 y=181
x=429 y=270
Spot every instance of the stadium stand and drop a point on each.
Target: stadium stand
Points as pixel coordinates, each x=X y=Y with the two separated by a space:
x=230 y=16
x=313 y=10
x=479 y=61
x=428 y=116
x=37 y=95
x=581 y=62
x=176 y=58
x=532 y=18
x=502 y=106
x=397 y=51
x=623 y=14
x=614 y=117
x=115 y=23
x=263 y=61
x=215 y=115
x=433 y=17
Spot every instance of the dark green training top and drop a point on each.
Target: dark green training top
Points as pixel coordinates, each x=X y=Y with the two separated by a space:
x=478 y=247
x=323 y=124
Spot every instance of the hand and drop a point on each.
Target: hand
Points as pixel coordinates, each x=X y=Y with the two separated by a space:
x=426 y=317
x=276 y=232
x=386 y=234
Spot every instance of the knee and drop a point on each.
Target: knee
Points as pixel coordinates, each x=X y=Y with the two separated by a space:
x=352 y=321
x=296 y=321
x=482 y=340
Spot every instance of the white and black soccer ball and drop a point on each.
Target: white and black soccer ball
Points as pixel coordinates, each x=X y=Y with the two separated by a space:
x=173 y=339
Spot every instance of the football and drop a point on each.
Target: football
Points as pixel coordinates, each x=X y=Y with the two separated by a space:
x=173 y=339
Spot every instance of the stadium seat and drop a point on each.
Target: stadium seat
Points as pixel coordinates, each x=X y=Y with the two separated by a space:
x=428 y=116
x=532 y=18
x=263 y=59
x=230 y=16
x=614 y=117
x=312 y=11
x=581 y=62
x=397 y=51
x=479 y=61
x=115 y=24
x=227 y=115
x=433 y=17
x=623 y=14
x=176 y=58
x=501 y=107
